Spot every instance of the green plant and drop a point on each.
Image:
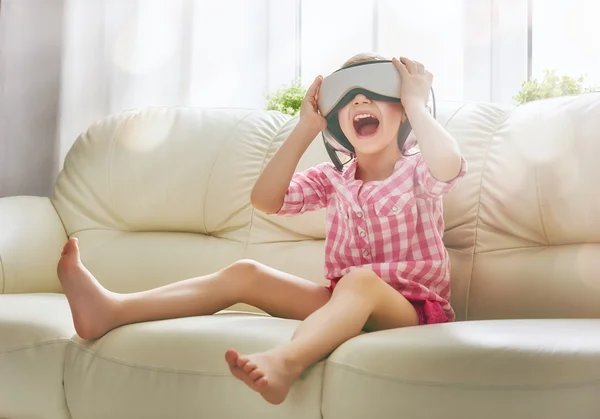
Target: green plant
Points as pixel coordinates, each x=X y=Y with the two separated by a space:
x=552 y=85
x=287 y=99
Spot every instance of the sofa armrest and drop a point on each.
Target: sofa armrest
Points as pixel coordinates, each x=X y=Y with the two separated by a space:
x=31 y=240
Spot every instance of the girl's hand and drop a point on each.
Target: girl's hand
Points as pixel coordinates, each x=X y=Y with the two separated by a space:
x=309 y=111
x=415 y=82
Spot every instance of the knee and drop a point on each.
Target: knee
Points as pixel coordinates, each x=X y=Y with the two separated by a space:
x=243 y=271
x=363 y=280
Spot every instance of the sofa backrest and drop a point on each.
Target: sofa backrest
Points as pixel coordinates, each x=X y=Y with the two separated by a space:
x=162 y=194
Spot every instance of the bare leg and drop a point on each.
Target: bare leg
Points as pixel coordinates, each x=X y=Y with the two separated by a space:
x=96 y=310
x=360 y=300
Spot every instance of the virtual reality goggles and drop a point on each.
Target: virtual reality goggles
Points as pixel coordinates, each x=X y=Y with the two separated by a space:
x=377 y=80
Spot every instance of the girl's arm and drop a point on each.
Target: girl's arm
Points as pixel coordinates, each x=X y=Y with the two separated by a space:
x=272 y=184
x=439 y=150
x=269 y=192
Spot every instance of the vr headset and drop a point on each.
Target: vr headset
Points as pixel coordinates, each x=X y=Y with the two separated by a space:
x=377 y=80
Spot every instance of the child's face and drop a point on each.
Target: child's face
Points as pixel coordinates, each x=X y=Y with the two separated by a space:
x=371 y=126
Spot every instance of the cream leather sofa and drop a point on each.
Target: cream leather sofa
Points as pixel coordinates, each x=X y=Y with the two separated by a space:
x=161 y=194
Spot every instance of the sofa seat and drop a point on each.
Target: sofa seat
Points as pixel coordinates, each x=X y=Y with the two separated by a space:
x=35 y=330
x=505 y=368
x=176 y=369
x=151 y=370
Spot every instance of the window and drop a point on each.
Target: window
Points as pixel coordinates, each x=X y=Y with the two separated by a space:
x=332 y=32
x=476 y=49
x=429 y=31
x=565 y=38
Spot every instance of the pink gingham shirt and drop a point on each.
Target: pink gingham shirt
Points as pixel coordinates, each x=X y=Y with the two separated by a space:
x=393 y=227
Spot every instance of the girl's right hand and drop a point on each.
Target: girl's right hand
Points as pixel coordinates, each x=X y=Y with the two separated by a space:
x=309 y=111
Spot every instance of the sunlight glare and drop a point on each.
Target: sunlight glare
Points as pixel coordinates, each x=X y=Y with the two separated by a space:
x=545 y=136
x=148 y=40
x=145 y=135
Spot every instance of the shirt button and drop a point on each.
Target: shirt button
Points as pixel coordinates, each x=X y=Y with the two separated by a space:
x=359 y=214
x=394 y=209
x=365 y=253
x=363 y=233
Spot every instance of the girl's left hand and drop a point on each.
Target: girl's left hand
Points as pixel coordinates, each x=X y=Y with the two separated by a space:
x=415 y=82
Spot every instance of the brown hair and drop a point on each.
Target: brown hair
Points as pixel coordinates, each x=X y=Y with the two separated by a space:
x=363 y=57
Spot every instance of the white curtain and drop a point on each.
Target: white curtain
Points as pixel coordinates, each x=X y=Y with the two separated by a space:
x=30 y=38
x=67 y=63
x=123 y=54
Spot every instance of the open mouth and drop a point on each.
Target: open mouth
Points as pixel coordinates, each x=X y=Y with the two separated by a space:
x=365 y=124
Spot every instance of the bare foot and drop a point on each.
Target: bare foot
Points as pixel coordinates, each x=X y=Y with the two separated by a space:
x=268 y=373
x=92 y=306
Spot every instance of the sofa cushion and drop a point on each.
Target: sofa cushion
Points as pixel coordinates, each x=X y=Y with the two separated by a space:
x=34 y=332
x=176 y=368
x=505 y=368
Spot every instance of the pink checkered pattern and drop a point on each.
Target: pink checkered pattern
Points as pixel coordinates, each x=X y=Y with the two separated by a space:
x=394 y=227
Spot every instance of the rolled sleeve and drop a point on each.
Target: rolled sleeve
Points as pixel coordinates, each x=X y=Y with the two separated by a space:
x=308 y=191
x=432 y=186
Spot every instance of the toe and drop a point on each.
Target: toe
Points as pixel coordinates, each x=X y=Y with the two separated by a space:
x=256 y=374
x=249 y=367
x=71 y=246
x=242 y=361
x=261 y=382
x=231 y=357
x=65 y=248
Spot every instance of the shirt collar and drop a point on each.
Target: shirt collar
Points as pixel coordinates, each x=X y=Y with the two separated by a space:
x=349 y=172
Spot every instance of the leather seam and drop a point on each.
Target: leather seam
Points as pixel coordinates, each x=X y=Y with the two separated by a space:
x=543 y=246
x=539 y=202
x=60 y=220
x=454 y=114
x=262 y=166
x=478 y=386
x=36 y=345
x=3 y=274
x=460 y=108
x=214 y=163
x=477 y=218
x=113 y=145
x=151 y=368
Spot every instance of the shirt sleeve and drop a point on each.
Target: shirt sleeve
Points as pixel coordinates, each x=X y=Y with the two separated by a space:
x=432 y=186
x=308 y=191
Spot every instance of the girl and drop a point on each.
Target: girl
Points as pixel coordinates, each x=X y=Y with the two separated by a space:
x=385 y=259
